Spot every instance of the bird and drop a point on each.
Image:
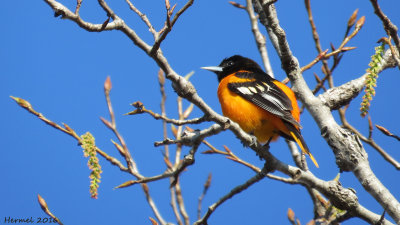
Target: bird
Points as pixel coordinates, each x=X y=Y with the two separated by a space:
x=260 y=104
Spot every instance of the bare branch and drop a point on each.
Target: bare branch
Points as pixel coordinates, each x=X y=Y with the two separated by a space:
x=116 y=24
x=259 y=38
x=78 y=6
x=233 y=192
x=113 y=127
x=230 y=155
x=337 y=97
x=205 y=189
x=345 y=146
x=169 y=26
x=340 y=197
x=124 y=149
x=351 y=22
x=386 y=62
x=187 y=161
x=191 y=138
x=112 y=160
x=395 y=53
x=144 y=18
x=152 y=204
x=258 y=8
x=317 y=42
x=390 y=28
x=237 y=5
x=161 y=81
x=174 y=206
x=317 y=59
x=46 y=209
x=179 y=199
x=68 y=130
x=141 y=109
x=298 y=157
x=387 y=132
x=60 y=9
x=349 y=153
x=371 y=142
x=320 y=84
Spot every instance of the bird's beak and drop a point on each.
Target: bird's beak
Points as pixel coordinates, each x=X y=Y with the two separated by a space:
x=212 y=68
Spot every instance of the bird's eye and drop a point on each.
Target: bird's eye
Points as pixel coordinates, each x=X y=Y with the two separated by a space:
x=230 y=63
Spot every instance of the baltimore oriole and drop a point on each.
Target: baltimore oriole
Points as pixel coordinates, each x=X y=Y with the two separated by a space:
x=261 y=105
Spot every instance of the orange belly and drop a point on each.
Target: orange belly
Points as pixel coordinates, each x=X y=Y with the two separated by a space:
x=250 y=117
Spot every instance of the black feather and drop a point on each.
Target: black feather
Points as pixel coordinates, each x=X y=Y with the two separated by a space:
x=266 y=95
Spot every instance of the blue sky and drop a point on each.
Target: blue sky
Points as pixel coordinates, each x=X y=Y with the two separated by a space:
x=60 y=69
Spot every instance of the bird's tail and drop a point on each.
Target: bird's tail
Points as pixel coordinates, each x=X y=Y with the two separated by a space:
x=296 y=135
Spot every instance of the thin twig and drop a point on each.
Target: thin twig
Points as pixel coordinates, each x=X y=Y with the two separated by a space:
x=175 y=172
x=113 y=127
x=203 y=194
x=68 y=130
x=387 y=132
x=351 y=22
x=233 y=192
x=320 y=83
x=371 y=142
x=231 y=156
x=259 y=38
x=169 y=26
x=390 y=28
x=299 y=159
x=173 y=190
x=395 y=53
x=338 y=139
x=46 y=209
x=181 y=203
x=175 y=183
x=237 y=5
x=112 y=160
x=161 y=81
x=322 y=56
x=317 y=59
x=317 y=42
x=125 y=151
x=178 y=133
x=290 y=65
x=174 y=206
x=78 y=6
x=152 y=204
x=144 y=18
x=370 y=127
x=141 y=109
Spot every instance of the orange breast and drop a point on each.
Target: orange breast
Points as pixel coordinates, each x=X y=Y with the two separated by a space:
x=250 y=117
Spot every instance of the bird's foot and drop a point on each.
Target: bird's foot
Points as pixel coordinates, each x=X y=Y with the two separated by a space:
x=253 y=142
x=266 y=145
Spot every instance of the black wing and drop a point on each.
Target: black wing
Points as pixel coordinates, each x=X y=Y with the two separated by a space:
x=265 y=94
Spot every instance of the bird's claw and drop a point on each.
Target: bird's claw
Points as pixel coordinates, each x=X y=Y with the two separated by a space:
x=253 y=142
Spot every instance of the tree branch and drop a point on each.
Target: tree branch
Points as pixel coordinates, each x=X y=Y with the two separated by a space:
x=349 y=152
x=369 y=141
x=337 y=97
x=233 y=192
x=141 y=109
x=390 y=28
x=169 y=26
x=259 y=38
x=347 y=148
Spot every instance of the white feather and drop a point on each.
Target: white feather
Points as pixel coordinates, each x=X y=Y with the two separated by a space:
x=245 y=90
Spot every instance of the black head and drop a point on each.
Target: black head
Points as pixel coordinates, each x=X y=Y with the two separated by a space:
x=234 y=64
